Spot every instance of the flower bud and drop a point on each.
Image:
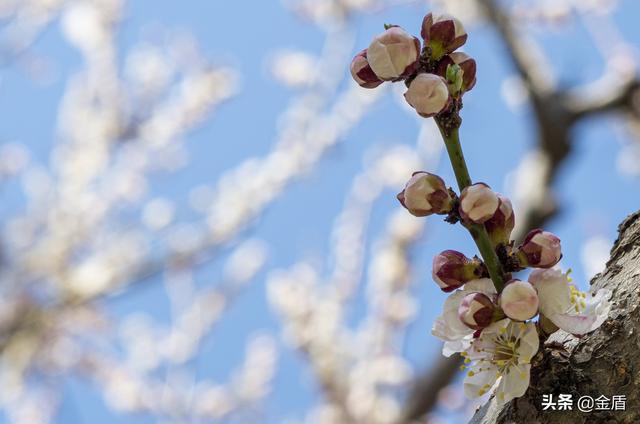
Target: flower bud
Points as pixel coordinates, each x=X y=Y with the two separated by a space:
x=393 y=54
x=478 y=203
x=428 y=94
x=467 y=65
x=476 y=311
x=540 y=249
x=425 y=194
x=452 y=269
x=443 y=34
x=519 y=300
x=500 y=225
x=362 y=73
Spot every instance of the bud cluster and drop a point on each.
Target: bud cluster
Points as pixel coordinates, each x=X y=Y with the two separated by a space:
x=435 y=74
x=487 y=315
x=427 y=194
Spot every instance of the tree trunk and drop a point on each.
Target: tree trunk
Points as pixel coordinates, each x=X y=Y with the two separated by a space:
x=605 y=362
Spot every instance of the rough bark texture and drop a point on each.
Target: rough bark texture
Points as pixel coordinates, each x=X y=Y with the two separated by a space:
x=605 y=362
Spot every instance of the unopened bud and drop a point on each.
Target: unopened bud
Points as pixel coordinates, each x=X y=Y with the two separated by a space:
x=443 y=34
x=452 y=269
x=519 y=300
x=428 y=94
x=467 y=72
x=476 y=311
x=478 y=203
x=500 y=225
x=453 y=76
x=362 y=73
x=393 y=54
x=540 y=249
x=425 y=194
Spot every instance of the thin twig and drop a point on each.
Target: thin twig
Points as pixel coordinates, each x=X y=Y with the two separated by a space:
x=556 y=111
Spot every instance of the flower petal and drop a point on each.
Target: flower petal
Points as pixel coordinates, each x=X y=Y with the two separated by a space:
x=455 y=346
x=514 y=383
x=482 y=346
x=480 y=379
x=448 y=326
x=497 y=327
x=482 y=285
x=574 y=324
x=553 y=291
x=595 y=313
x=529 y=343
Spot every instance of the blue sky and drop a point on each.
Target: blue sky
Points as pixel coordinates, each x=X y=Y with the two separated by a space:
x=242 y=34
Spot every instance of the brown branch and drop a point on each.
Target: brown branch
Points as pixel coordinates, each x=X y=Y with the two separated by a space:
x=425 y=389
x=613 y=92
x=526 y=56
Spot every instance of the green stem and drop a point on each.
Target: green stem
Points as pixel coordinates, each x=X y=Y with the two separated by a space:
x=452 y=142
x=477 y=231
x=481 y=237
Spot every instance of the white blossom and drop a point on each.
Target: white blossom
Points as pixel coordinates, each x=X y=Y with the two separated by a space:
x=501 y=358
x=572 y=310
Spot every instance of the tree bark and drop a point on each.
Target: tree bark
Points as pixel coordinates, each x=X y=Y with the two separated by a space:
x=605 y=362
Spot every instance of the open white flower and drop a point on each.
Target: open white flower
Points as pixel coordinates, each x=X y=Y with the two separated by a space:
x=448 y=326
x=573 y=311
x=501 y=357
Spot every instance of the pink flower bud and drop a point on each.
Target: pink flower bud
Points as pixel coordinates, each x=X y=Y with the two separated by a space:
x=540 y=249
x=428 y=94
x=478 y=203
x=452 y=269
x=500 y=225
x=362 y=72
x=393 y=54
x=519 y=300
x=476 y=311
x=425 y=194
x=465 y=62
x=443 y=34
